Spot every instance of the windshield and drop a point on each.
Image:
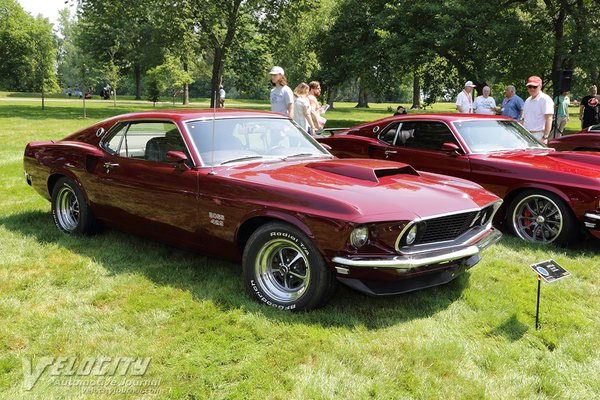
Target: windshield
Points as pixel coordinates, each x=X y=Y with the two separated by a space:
x=484 y=136
x=251 y=139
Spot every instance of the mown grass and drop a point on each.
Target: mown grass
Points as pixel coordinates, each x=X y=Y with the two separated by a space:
x=118 y=295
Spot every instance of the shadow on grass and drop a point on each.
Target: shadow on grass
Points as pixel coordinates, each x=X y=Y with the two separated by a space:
x=219 y=281
x=512 y=329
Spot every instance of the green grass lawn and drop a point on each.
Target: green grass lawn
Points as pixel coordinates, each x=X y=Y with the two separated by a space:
x=117 y=295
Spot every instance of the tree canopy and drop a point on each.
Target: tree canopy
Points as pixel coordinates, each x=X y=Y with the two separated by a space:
x=360 y=50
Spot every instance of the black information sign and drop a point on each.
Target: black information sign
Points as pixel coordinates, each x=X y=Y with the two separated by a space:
x=550 y=271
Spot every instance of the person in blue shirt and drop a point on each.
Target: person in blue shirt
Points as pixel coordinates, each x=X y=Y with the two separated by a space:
x=512 y=104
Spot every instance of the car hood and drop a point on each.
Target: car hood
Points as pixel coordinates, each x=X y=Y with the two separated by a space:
x=361 y=189
x=583 y=165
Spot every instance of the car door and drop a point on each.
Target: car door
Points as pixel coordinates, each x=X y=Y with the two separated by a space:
x=139 y=190
x=419 y=143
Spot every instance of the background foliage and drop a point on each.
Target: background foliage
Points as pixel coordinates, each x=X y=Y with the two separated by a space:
x=364 y=51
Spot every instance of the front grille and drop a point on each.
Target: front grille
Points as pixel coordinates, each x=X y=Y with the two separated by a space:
x=447 y=228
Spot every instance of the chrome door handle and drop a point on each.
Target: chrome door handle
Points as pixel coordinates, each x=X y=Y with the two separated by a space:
x=388 y=152
x=108 y=166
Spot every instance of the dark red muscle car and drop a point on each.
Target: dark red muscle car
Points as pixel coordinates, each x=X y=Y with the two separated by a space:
x=587 y=139
x=548 y=196
x=252 y=186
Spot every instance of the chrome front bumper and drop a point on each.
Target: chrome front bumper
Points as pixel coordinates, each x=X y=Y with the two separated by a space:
x=410 y=261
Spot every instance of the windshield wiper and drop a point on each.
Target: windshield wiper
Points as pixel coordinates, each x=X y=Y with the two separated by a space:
x=301 y=155
x=242 y=158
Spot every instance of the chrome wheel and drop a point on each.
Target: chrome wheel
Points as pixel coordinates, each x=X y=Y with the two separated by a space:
x=537 y=218
x=67 y=209
x=282 y=270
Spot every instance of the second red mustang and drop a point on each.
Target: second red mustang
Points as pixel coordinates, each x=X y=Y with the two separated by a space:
x=548 y=196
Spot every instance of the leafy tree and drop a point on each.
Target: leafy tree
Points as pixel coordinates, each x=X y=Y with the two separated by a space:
x=155 y=88
x=27 y=50
x=227 y=25
x=42 y=57
x=112 y=74
x=129 y=26
x=353 y=49
x=169 y=76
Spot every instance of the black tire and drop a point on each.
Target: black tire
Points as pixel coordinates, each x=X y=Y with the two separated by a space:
x=70 y=210
x=301 y=282
x=538 y=216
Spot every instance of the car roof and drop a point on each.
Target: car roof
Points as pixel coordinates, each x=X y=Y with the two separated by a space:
x=197 y=113
x=445 y=117
x=449 y=117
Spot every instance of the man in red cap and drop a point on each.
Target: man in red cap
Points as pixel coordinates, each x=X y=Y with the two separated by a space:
x=538 y=110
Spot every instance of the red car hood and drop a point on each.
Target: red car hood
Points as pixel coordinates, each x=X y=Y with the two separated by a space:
x=581 y=164
x=362 y=188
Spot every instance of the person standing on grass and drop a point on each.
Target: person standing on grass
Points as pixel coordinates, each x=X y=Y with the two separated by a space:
x=538 y=110
x=589 y=110
x=315 y=108
x=221 y=97
x=302 y=115
x=485 y=104
x=464 y=100
x=512 y=104
x=562 y=112
x=282 y=97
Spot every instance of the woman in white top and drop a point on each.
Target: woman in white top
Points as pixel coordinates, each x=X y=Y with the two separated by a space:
x=302 y=108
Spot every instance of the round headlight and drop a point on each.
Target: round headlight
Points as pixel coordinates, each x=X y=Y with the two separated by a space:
x=411 y=235
x=359 y=236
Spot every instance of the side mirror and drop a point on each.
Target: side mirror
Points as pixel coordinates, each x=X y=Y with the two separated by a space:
x=449 y=147
x=177 y=157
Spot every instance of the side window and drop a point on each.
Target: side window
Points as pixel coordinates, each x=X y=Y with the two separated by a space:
x=113 y=141
x=148 y=140
x=425 y=135
x=388 y=135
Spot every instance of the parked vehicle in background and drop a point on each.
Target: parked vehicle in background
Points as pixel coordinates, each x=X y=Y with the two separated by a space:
x=548 y=196
x=587 y=139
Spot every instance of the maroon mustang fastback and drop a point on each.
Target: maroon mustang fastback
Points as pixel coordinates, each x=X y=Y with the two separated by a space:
x=548 y=196
x=587 y=139
x=252 y=186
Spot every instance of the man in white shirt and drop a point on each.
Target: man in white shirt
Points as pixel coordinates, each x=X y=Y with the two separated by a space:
x=464 y=100
x=538 y=110
x=221 y=97
x=485 y=104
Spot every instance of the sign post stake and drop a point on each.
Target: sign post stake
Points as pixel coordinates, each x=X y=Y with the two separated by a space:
x=537 y=309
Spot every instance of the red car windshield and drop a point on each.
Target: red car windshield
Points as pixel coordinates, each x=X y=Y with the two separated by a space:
x=485 y=136
x=230 y=140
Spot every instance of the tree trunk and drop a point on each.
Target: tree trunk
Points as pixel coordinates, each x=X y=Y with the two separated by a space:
x=363 y=96
x=186 y=87
x=557 y=59
x=416 y=97
x=43 y=105
x=217 y=75
x=137 y=70
x=331 y=92
x=114 y=89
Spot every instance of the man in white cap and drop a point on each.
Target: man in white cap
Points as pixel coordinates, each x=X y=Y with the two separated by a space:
x=464 y=100
x=282 y=97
